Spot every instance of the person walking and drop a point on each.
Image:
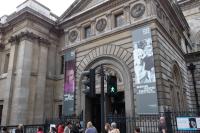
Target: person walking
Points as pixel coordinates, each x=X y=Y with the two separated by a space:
x=19 y=129
x=68 y=127
x=90 y=128
x=60 y=128
x=108 y=128
x=5 y=130
x=39 y=130
x=114 y=128
x=137 y=130
x=162 y=127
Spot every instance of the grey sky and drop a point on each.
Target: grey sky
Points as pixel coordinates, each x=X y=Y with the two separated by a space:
x=57 y=7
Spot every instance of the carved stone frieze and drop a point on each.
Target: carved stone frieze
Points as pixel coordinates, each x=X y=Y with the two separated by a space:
x=28 y=35
x=73 y=36
x=137 y=10
x=159 y=12
x=101 y=24
x=2 y=46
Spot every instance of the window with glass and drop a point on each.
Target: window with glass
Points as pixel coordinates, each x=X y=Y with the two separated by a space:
x=59 y=111
x=62 y=65
x=87 y=31
x=1 y=110
x=6 y=63
x=119 y=20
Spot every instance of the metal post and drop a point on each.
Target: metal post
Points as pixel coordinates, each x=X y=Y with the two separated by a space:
x=191 y=67
x=102 y=99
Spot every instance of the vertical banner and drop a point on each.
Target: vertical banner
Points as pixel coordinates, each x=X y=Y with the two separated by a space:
x=146 y=92
x=69 y=83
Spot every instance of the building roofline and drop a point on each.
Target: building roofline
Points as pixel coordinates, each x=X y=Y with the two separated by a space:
x=35 y=2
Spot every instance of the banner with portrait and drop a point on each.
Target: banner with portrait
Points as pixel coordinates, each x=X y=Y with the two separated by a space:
x=145 y=92
x=188 y=123
x=69 y=83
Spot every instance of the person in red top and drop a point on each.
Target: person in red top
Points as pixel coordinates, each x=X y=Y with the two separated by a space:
x=39 y=130
x=61 y=128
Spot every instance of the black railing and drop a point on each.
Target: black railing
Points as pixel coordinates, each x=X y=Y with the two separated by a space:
x=28 y=128
x=150 y=123
x=147 y=123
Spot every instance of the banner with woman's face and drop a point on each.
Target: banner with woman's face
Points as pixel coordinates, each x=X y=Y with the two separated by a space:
x=69 y=83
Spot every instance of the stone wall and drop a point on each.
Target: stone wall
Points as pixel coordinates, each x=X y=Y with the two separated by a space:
x=168 y=54
x=194 y=58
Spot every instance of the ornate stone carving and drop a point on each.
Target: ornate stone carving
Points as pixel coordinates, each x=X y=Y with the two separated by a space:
x=159 y=12
x=73 y=36
x=137 y=10
x=101 y=24
x=2 y=46
x=28 y=35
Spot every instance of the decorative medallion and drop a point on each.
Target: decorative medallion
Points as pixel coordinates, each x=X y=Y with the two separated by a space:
x=101 y=24
x=137 y=10
x=73 y=36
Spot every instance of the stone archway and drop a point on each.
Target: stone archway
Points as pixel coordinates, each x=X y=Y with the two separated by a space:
x=110 y=55
x=177 y=91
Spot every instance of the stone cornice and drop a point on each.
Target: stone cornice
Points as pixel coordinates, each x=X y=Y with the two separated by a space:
x=192 y=57
x=186 y=5
x=28 y=35
x=91 y=13
x=27 y=14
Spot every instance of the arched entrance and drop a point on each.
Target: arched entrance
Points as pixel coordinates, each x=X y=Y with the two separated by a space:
x=122 y=103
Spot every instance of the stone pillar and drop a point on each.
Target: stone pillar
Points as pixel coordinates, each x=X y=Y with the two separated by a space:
x=20 y=99
x=109 y=21
x=9 y=82
x=41 y=84
x=127 y=14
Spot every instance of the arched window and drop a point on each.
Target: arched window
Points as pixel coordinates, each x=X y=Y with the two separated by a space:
x=176 y=90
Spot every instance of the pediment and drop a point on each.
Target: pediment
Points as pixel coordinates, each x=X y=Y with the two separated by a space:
x=80 y=6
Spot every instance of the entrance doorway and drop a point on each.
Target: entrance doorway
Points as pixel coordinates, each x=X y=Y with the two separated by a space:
x=1 y=109
x=114 y=107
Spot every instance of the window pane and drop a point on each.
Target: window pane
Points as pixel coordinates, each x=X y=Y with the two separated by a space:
x=88 y=31
x=119 y=20
x=6 y=63
x=62 y=65
x=1 y=109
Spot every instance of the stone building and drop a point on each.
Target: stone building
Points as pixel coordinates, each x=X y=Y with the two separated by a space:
x=191 y=12
x=101 y=32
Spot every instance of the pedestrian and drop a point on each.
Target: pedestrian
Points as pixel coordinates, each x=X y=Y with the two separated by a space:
x=90 y=128
x=5 y=130
x=68 y=127
x=52 y=130
x=60 y=128
x=108 y=128
x=19 y=128
x=77 y=128
x=39 y=130
x=114 y=128
x=162 y=127
x=137 y=130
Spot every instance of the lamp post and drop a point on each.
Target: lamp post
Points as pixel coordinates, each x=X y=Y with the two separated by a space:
x=102 y=99
x=192 y=67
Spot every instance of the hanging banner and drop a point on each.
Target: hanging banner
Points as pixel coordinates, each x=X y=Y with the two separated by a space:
x=146 y=92
x=69 y=83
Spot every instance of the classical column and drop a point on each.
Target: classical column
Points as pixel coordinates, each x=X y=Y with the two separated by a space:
x=9 y=82
x=41 y=83
x=20 y=98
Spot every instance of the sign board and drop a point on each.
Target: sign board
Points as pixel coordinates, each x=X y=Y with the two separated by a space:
x=145 y=80
x=188 y=123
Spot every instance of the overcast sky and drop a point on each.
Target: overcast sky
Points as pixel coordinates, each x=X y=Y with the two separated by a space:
x=57 y=7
